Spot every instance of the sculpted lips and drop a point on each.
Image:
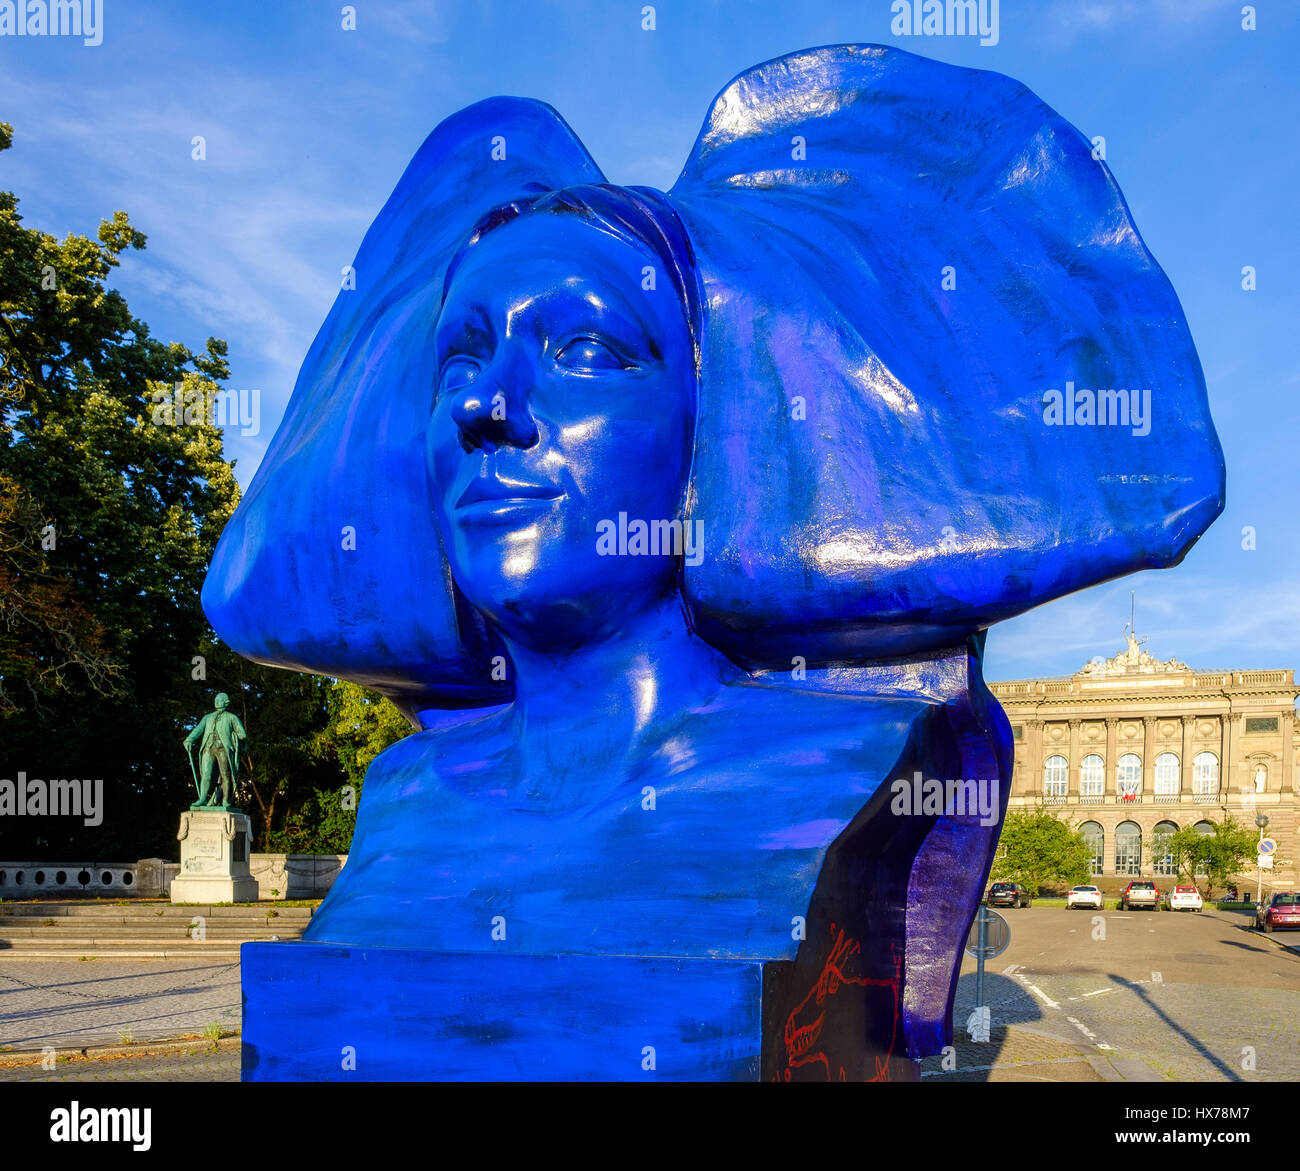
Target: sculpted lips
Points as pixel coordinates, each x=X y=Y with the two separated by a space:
x=492 y=499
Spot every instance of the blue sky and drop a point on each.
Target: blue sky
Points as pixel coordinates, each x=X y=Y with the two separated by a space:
x=308 y=127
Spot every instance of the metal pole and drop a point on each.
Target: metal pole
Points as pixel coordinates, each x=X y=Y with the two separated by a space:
x=979 y=961
x=1259 y=872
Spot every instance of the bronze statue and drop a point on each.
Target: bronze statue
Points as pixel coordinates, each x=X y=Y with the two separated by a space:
x=219 y=734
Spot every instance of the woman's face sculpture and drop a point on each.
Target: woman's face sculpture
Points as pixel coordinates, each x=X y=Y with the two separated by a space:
x=564 y=396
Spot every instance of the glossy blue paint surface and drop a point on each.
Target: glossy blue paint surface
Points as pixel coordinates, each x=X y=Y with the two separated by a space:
x=516 y=1018
x=822 y=357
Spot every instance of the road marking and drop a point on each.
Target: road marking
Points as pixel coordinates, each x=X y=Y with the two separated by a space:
x=1078 y=1024
x=1011 y=969
x=1087 y=1032
x=1047 y=1000
x=1099 y=992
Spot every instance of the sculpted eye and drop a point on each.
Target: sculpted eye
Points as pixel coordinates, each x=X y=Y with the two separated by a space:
x=457 y=371
x=588 y=353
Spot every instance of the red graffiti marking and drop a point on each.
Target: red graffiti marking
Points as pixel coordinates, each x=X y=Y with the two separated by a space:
x=803 y=1027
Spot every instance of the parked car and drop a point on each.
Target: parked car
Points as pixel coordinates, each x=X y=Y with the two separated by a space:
x=1140 y=893
x=1185 y=898
x=1009 y=894
x=1083 y=896
x=1282 y=910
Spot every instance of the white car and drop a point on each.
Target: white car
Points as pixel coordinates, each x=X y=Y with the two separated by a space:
x=1185 y=898
x=1083 y=896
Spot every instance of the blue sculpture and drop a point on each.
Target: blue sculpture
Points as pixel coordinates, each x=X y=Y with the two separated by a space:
x=675 y=522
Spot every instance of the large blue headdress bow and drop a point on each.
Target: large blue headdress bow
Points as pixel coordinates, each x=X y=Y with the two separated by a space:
x=899 y=258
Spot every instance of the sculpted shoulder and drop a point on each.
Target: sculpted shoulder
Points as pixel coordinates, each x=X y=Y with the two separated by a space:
x=745 y=724
x=460 y=739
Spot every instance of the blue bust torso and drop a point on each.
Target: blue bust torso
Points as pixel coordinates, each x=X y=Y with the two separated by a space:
x=706 y=840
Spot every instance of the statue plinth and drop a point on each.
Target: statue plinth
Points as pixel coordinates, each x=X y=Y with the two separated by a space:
x=214 y=858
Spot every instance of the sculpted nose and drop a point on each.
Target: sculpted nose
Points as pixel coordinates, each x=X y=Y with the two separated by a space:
x=491 y=413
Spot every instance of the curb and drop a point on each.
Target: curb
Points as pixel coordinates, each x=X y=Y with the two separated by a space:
x=17 y=1059
x=1269 y=937
x=229 y=954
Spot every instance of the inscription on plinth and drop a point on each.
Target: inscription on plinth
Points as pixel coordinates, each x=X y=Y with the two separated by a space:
x=214 y=859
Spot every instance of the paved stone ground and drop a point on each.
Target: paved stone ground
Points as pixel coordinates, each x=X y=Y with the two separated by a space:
x=1014 y=1054
x=69 y=1004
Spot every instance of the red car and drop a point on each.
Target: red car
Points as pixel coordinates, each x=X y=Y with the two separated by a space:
x=1282 y=910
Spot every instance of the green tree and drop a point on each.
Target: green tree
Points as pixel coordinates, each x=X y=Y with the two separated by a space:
x=110 y=508
x=47 y=636
x=360 y=724
x=1037 y=849
x=111 y=503
x=1216 y=856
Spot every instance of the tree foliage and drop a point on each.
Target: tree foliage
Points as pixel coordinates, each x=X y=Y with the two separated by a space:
x=1216 y=856
x=109 y=515
x=1038 y=849
x=361 y=725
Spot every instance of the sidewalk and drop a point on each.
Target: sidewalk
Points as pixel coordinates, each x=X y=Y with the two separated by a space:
x=68 y=1005
x=1014 y=1053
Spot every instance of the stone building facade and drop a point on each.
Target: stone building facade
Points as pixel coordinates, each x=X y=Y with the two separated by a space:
x=1129 y=748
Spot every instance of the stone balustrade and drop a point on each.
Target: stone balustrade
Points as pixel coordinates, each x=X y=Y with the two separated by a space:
x=289 y=876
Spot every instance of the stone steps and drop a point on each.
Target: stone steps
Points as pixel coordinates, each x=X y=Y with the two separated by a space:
x=260 y=930
x=152 y=918
x=142 y=911
x=158 y=930
x=222 y=953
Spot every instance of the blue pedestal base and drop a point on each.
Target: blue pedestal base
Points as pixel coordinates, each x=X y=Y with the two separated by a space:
x=326 y=1012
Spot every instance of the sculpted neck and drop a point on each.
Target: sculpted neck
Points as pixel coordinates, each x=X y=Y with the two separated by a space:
x=622 y=682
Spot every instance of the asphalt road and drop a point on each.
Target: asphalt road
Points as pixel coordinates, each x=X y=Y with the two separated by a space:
x=1160 y=995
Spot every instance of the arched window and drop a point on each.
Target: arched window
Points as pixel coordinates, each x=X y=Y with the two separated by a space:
x=1205 y=774
x=1092 y=776
x=1205 y=829
x=1128 y=776
x=1056 y=774
x=1128 y=848
x=1162 y=859
x=1166 y=775
x=1095 y=837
